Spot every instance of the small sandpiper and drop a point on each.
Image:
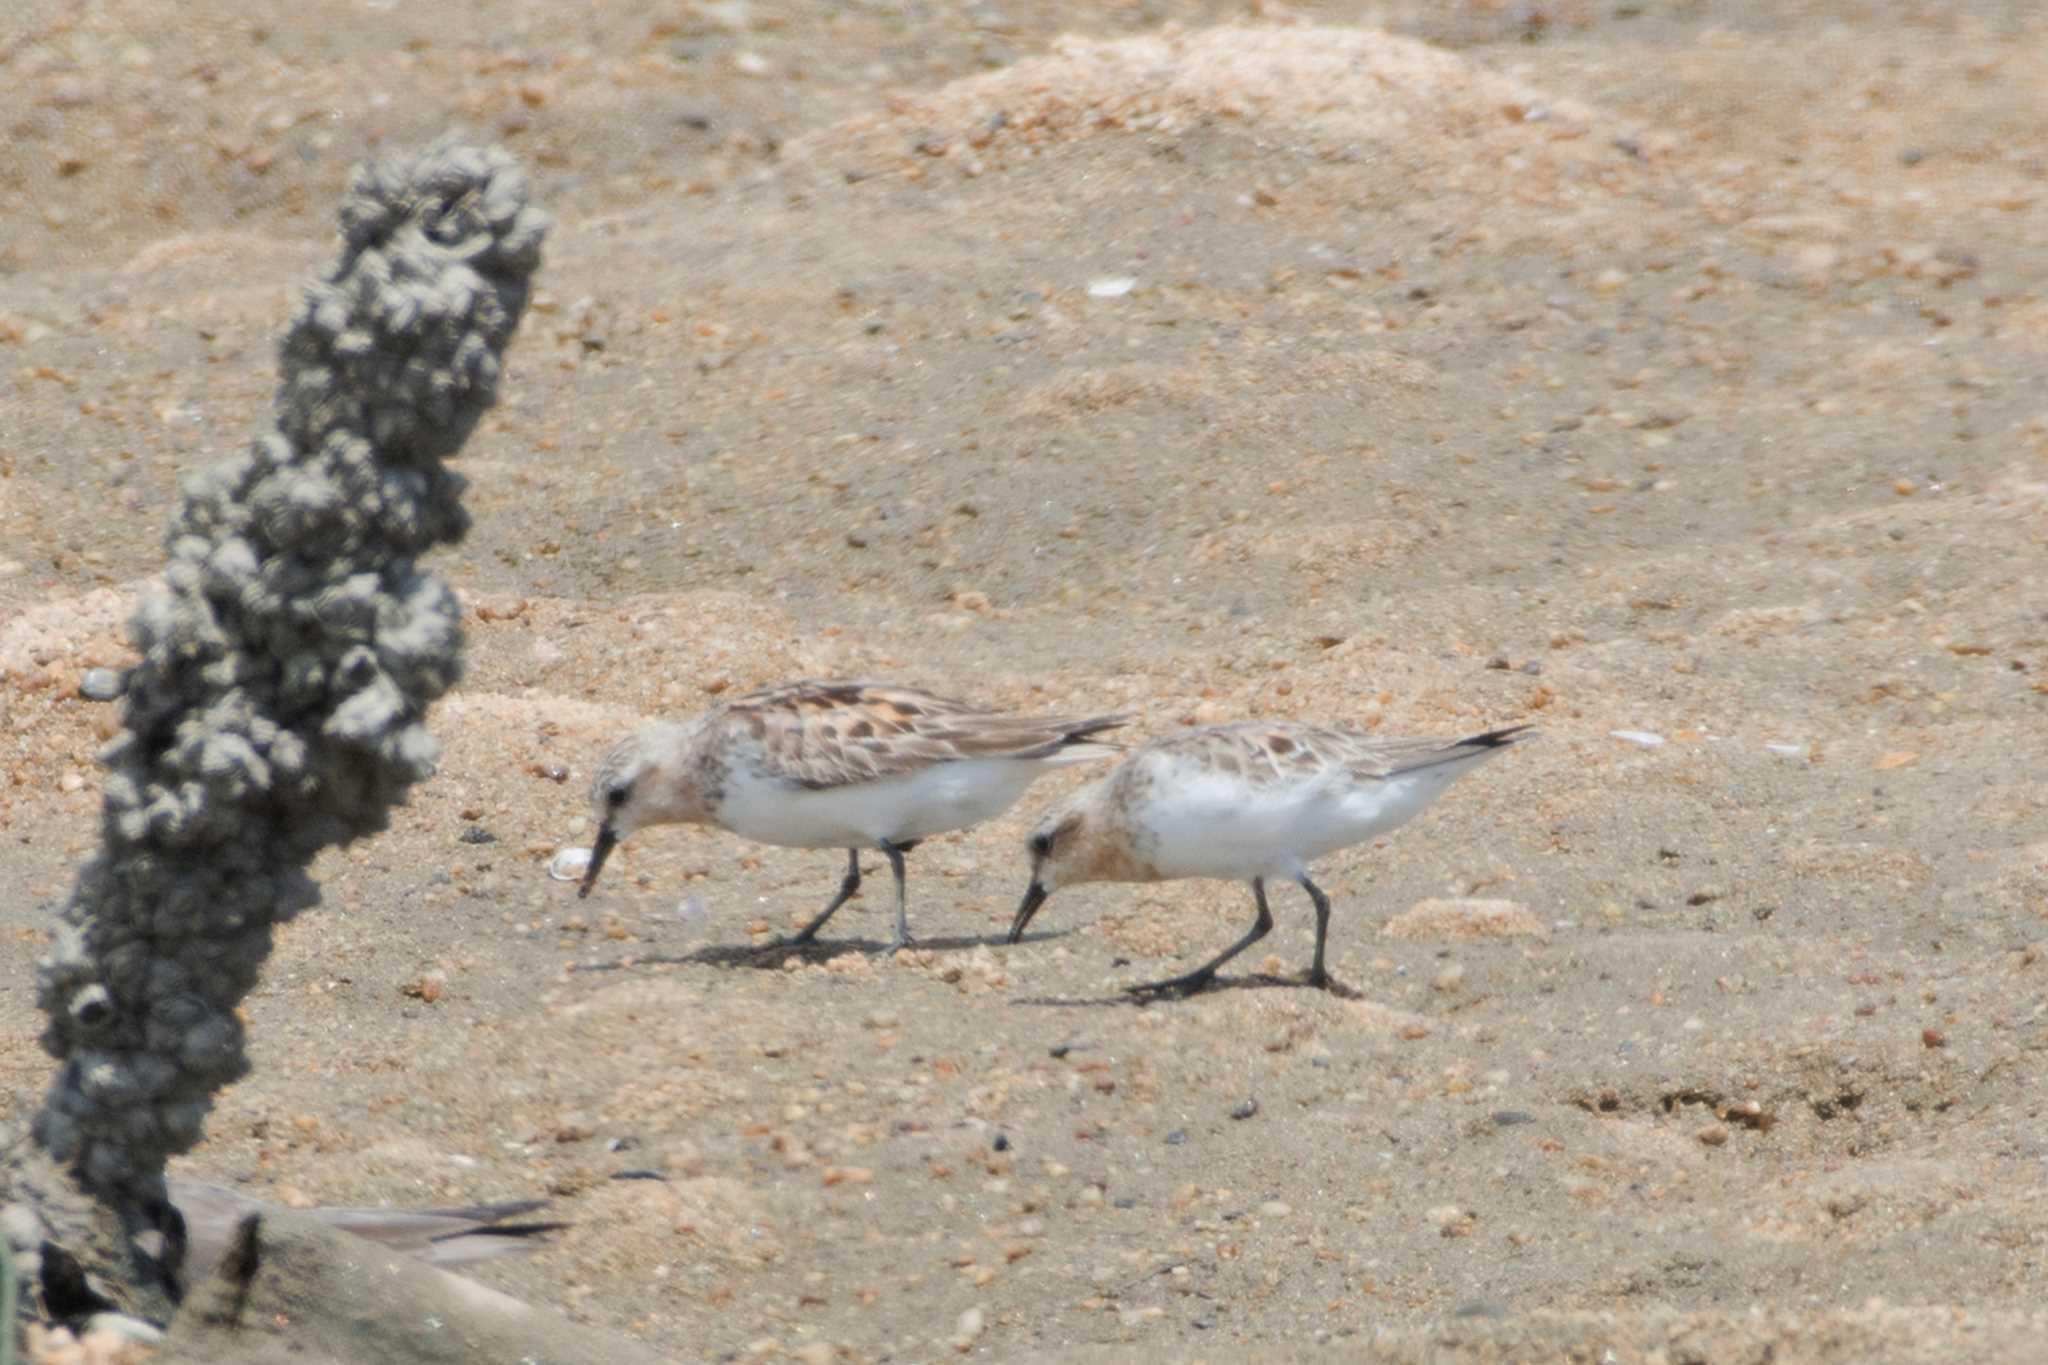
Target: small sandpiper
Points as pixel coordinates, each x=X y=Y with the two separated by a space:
x=853 y=765
x=1245 y=801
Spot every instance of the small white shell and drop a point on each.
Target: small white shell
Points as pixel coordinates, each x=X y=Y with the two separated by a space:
x=569 y=864
x=1643 y=737
x=1111 y=287
x=692 y=911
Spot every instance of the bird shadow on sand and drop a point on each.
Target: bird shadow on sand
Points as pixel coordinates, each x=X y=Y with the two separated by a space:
x=770 y=957
x=1140 y=999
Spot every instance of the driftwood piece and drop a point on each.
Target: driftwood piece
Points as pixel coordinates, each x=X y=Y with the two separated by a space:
x=290 y=1287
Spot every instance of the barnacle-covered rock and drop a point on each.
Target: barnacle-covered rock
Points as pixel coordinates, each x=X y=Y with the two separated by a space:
x=287 y=662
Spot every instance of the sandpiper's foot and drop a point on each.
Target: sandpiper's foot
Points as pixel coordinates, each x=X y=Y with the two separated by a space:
x=785 y=942
x=1182 y=986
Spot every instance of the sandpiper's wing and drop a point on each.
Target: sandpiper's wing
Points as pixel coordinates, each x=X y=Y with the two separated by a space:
x=1260 y=753
x=1370 y=756
x=833 y=734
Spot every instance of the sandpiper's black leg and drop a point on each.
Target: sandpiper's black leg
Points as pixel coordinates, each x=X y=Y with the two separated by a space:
x=1316 y=975
x=894 y=853
x=847 y=887
x=1206 y=973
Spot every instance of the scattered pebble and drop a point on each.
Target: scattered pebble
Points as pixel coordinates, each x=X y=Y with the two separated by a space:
x=1750 y=1114
x=1451 y=1221
x=426 y=988
x=1714 y=1135
x=569 y=864
x=1508 y=1118
x=101 y=684
x=1647 y=738
x=1177 y=1137
x=1245 y=1110
x=477 y=834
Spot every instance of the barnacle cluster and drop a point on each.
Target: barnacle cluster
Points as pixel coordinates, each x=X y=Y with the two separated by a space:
x=287 y=662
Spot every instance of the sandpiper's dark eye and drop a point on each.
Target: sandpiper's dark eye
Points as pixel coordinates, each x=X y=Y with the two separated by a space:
x=1041 y=844
x=615 y=798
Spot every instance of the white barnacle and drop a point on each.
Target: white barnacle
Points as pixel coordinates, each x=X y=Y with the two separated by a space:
x=106 y=1079
x=288 y=754
x=230 y=755
x=230 y=566
x=367 y=713
x=92 y=1007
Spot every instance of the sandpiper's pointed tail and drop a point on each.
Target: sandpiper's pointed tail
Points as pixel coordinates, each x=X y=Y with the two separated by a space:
x=1079 y=741
x=1496 y=739
x=1471 y=748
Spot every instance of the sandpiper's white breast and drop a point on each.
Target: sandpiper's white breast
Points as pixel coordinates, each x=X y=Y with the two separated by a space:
x=933 y=800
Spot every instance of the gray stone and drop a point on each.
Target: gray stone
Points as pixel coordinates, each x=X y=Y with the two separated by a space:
x=100 y=684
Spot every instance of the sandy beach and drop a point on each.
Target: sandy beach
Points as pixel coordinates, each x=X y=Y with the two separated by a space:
x=1670 y=376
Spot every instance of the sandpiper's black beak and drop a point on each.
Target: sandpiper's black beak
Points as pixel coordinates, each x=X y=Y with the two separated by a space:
x=607 y=840
x=1033 y=898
